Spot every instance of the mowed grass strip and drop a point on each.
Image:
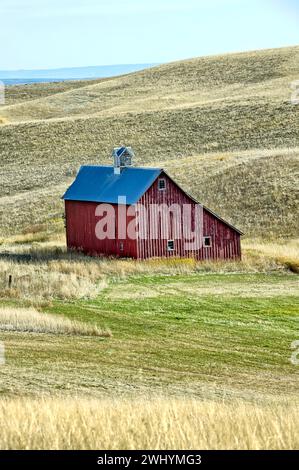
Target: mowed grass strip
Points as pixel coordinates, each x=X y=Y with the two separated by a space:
x=176 y=341
x=183 y=339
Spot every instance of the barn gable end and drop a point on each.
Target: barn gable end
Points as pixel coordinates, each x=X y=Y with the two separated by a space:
x=223 y=237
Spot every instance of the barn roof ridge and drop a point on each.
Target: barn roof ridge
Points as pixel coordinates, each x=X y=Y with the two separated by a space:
x=86 y=185
x=204 y=207
x=130 y=168
x=86 y=188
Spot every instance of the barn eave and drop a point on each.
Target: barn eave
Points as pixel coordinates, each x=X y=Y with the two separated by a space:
x=204 y=207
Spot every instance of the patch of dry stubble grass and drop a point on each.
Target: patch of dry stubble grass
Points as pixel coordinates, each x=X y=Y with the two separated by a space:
x=146 y=424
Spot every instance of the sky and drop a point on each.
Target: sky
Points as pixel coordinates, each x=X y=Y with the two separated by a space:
x=43 y=34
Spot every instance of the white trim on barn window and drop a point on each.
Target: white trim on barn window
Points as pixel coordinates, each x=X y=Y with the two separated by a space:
x=170 y=245
x=207 y=242
x=162 y=184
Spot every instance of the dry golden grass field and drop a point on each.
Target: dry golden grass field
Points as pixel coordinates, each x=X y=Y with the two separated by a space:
x=174 y=353
x=146 y=424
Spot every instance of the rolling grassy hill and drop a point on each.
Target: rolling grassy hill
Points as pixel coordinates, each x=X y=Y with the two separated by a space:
x=223 y=126
x=18 y=93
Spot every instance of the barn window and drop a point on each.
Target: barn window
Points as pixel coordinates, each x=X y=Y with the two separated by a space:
x=121 y=246
x=207 y=241
x=161 y=184
x=170 y=245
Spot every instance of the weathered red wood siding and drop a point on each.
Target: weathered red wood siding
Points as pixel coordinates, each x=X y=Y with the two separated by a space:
x=226 y=243
x=225 y=240
x=80 y=232
x=158 y=247
x=81 y=222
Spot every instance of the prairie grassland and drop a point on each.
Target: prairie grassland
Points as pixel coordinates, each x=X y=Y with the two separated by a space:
x=250 y=77
x=281 y=252
x=19 y=93
x=43 y=281
x=32 y=321
x=43 y=271
x=147 y=424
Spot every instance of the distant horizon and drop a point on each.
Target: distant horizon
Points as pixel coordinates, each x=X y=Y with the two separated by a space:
x=79 y=67
x=145 y=64
x=72 y=73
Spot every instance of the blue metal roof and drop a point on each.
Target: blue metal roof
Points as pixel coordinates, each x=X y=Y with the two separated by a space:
x=99 y=184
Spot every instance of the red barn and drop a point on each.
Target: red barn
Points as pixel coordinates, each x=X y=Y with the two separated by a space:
x=140 y=213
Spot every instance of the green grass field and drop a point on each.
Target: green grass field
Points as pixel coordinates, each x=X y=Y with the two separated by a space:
x=195 y=334
x=190 y=351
